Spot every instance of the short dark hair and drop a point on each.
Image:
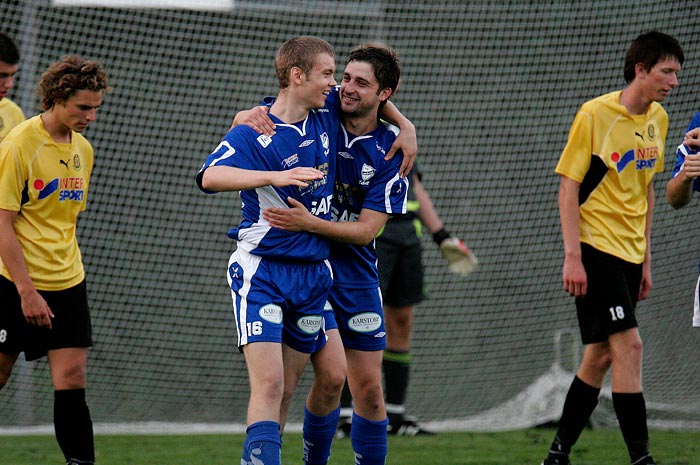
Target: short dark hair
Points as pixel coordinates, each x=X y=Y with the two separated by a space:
x=66 y=77
x=9 y=53
x=384 y=60
x=299 y=52
x=648 y=49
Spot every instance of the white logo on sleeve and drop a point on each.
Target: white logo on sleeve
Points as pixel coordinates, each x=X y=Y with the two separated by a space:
x=264 y=140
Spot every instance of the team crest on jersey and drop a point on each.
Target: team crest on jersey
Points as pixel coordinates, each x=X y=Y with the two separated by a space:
x=264 y=140
x=325 y=143
x=651 y=131
x=289 y=161
x=76 y=162
x=367 y=173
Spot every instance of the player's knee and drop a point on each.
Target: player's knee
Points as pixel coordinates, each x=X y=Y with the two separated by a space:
x=333 y=384
x=603 y=362
x=631 y=353
x=287 y=393
x=370 y=396
x=598 y=365
x=74 y=378
x=272 y=388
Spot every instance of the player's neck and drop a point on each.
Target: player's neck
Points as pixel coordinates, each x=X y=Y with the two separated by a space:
x=58 y=131
x=287 y=109
x=634 y=100
x=360 y=125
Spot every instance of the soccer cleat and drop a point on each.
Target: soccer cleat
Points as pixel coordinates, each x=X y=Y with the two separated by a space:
x=343 y=428
x=409 y=427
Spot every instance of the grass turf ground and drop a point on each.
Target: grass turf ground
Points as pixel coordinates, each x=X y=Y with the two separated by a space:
x=525 y=447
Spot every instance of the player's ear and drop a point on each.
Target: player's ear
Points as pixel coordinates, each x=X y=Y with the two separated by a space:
x=296 y=75
x=384 y=94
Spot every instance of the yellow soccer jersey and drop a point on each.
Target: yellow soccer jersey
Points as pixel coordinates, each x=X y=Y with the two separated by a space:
x=10 y=116
x=47 y=183
x=614 y=155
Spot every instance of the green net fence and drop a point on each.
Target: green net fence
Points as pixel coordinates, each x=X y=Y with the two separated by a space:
x=492 y=87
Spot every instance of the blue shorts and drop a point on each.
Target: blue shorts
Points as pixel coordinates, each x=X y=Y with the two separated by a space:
x=277 y=301
x=358 y=316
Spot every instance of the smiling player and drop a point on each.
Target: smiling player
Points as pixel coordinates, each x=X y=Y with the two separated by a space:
x=368 y=189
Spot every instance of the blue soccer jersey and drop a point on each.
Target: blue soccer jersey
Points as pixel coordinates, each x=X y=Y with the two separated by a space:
x=682 y=151
x=310 y=143
x=364 y=180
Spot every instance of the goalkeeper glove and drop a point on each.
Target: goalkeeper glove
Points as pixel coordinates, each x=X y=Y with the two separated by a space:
x=460 y=259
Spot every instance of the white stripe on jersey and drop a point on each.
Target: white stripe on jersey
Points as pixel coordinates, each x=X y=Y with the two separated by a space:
x=250 y=237
x=387 y=194
x=685 y=151
x=229 y=153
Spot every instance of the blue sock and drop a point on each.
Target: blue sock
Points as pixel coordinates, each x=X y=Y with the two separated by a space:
x=369 y=440
x=318 y=436
x=263 y=444
x=245 y=458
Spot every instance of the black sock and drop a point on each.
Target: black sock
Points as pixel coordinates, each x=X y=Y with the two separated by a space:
x=73 y=426
x=397 y=368
x=631 y=412
x=580 y=402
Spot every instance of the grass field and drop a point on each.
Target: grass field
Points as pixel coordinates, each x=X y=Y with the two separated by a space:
x=596 y=447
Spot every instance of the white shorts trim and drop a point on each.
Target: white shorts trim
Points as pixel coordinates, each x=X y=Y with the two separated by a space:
x=696 y=306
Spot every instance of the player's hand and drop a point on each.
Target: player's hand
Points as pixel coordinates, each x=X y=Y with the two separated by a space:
x=691 y=166
x=256 y=118
x=300 y=177
x=407 y=142
x=36 y=311
x=575 y=279
x=460 y=259
x=294 y=219
x=692 y=139
x=645 y=285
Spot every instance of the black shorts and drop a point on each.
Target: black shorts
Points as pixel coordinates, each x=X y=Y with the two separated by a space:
x=71 y=326
x=611 y=296
x=399 y=263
